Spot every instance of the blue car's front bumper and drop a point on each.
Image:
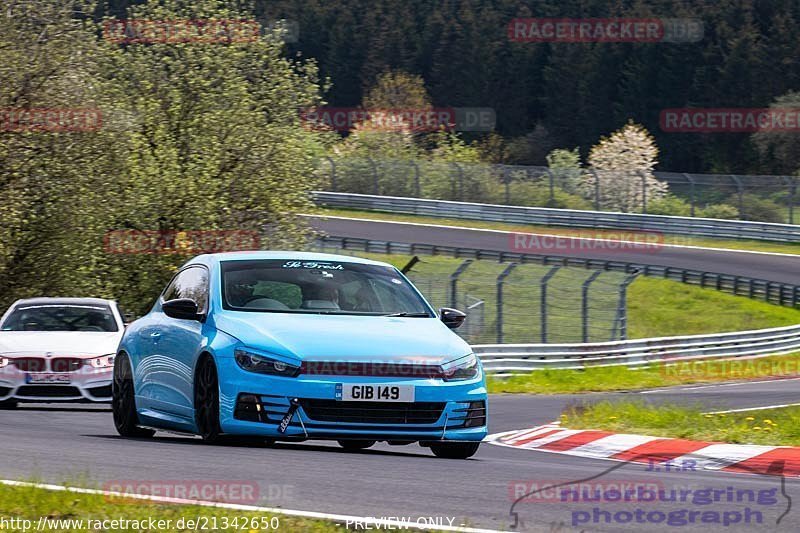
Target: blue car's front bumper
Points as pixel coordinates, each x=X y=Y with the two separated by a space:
x=441 y=410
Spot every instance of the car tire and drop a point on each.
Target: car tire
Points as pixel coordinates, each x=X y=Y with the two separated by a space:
x=454 y=450
x=8 y=404
x=123 y=401
x=206 y=401
x=353 y=445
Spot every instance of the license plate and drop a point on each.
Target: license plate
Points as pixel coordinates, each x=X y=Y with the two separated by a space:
x=49 y=379
x=357 y=392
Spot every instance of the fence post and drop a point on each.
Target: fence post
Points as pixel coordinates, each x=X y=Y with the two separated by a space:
x=334 y=185
x=552 y=187
x=500 y=280
x=792 y=193
x=543 y=301
x=585 y=304
x=691 y=192
x=644 y=191
x=621 y=319
x=417 y=189
x=507 y=184
x=596 y=189
x=375 y=185
x=740 y=189
x=454 y=281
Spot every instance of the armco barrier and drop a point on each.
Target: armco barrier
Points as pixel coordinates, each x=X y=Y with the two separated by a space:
x=706 y=227
x=770 y=291
x=517 y=358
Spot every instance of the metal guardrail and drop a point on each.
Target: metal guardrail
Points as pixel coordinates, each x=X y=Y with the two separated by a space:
x=770 y=291
x=706 y=227
x=516 y=358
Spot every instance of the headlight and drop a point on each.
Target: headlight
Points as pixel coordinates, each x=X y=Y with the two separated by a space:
x=4 y=362
x=104 y=361
x=461 y=369
x=261 y=364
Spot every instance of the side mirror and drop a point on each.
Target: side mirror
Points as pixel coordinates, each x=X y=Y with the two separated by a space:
x=452 y=318
x=184 y=308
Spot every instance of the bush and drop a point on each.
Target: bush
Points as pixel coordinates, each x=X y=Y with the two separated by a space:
x=669 y=205
x=760 y=209
x=723 y=211
x=538 y=194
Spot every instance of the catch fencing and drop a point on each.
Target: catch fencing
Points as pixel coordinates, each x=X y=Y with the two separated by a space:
x=705 y=227
x=770 y=291
x=543 y=186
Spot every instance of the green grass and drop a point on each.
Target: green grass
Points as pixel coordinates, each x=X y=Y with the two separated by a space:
x=658 y=307
x=613 y=378
x=32 y=503
x=685 y=240
x=768 y=426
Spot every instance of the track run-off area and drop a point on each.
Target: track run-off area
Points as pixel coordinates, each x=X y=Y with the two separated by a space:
x=76 y=444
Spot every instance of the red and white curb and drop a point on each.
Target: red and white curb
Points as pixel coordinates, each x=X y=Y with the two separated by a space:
x=682 y=453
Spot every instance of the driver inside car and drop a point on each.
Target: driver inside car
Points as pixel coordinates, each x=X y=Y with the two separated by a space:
x=239 y=294
x=322 y=297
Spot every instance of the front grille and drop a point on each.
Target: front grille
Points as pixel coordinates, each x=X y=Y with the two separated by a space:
x=66 y=364
x=4 y=391
x=370 y=368
x=30 y=364
x=372 y=412
x=48 y=391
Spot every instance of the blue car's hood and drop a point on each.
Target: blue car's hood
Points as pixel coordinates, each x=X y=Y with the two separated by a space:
x=345 y=337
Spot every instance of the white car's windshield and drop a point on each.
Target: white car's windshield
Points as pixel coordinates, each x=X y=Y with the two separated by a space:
x=60 y=317
x=295 y=286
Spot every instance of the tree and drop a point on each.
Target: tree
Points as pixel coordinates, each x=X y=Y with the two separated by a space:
x=780 y=150
x=196 y=136
x=622 y=165
x=49 y=176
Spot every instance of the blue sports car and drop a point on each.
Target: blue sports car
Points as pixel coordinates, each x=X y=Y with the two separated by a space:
x=294 y=346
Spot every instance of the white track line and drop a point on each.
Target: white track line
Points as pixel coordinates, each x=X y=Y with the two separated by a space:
x=466 y=228
x=379 y=523
x=737 y=384
x=779 y=406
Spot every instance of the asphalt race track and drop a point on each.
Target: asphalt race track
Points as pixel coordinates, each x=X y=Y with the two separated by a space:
x=71 y=443
x=772 y=267
x=75 y=443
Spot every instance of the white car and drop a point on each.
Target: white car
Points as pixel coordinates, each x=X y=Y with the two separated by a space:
x=58 y=349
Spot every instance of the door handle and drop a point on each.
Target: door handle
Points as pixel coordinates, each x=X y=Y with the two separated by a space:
x=155 y=335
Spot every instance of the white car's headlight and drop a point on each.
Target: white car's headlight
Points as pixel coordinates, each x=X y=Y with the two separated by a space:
x=461 y=369
x=4 y=362
x=102 y=362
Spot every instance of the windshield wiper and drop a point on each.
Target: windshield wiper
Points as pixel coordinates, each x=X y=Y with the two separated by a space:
x=415 y=315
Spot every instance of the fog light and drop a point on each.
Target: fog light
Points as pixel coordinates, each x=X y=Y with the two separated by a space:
x=476 y=415
x=248 y=407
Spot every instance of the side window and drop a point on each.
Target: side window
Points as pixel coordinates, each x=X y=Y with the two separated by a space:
x=191 y=283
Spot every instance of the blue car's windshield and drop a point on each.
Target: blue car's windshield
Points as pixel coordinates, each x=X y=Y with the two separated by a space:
x=302 y=286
